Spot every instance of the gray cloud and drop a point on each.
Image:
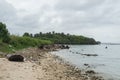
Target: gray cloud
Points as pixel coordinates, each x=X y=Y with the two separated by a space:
x=93 y=18
x=88 y=11
x=15 y=23
x=78 y=5
x=8 y=12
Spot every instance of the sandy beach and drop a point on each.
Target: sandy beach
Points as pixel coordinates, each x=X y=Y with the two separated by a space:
x=41 y=65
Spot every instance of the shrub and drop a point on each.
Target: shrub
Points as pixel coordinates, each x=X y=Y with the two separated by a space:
x=23 y=42
x=4 y=34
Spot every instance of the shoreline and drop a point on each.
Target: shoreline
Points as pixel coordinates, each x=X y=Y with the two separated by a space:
x=51 y=67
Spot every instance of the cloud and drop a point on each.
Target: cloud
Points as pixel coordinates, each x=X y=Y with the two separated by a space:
x=28 y=16
x=20 y=19
x=93 y=18
x=87 y=11
x=78 y=5
x=8 y=12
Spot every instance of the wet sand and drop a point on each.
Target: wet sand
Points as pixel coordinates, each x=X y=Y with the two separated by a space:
x=41 y=65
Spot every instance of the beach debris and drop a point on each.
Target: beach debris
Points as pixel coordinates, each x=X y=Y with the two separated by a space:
x=41 y=46
x=90 y=54
x=54 y=50
x=15 y=57
x=45 y=47
x=78 y=53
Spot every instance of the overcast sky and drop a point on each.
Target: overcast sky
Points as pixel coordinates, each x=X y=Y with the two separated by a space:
x=99 y=19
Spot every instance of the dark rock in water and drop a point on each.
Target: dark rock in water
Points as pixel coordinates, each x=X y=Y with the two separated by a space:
x=64 y=46
x=90 y=54
x=15 y=57
x=90 y=72
x=106 y=47
x=70 y=51
x=67 y=47
x=86 y=64
x=73 y=52
x=78 y=53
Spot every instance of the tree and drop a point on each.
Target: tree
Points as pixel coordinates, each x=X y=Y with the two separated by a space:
x=53 y=32
x=40 y=33
x=26 y=34
x=62 y=38
x=31 y=35
x=4 y=34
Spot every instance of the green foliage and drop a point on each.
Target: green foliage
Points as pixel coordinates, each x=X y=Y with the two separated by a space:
x=61 y=38
x=24 y=42
x=17 y=43
x=4 y=34
x=26 y=34
x=4 y=47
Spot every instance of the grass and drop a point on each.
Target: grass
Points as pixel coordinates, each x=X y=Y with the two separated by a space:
x=18 y=43
x=5 y=47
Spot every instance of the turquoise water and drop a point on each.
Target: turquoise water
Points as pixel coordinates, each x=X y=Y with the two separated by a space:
x=107 y=63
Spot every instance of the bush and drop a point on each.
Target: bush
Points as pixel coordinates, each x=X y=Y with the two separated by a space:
x=24 y=42
x=4 y=34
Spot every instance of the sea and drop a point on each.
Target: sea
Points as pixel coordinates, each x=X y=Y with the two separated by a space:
x=107 y=63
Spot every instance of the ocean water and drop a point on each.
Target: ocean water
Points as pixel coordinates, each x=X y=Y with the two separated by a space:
x=107 y=63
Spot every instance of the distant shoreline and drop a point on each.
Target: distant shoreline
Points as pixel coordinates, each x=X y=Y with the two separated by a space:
x=110 y=43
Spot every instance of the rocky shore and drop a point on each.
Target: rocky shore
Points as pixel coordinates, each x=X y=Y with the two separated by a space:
x=39 y=64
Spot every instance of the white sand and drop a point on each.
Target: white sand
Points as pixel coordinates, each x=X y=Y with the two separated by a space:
x=19 y=70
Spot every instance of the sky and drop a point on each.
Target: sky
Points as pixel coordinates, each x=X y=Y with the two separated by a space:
x=99 y=19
